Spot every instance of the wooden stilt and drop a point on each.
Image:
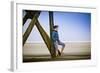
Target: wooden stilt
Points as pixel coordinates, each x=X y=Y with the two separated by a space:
x=51 y=22
x=44 y=35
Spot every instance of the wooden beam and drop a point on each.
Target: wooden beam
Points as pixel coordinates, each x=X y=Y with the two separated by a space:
x=44 y=35
x=25 y=18
x=51 y=22
x=29 y=14
x=31 y=25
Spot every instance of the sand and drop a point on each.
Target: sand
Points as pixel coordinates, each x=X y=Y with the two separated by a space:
x=36 y=52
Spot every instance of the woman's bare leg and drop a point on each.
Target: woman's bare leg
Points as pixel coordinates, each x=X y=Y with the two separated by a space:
x=63 y=46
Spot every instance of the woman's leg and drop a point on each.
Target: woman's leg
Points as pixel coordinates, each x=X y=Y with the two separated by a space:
x=62 y=44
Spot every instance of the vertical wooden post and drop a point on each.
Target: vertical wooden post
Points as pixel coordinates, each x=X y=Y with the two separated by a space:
x=51 y=22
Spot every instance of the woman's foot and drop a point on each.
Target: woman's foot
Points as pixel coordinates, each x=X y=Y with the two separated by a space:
x=59 y=53
x=62 y=50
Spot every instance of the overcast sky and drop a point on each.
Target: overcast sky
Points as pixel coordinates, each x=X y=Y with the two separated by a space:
x=73 y=26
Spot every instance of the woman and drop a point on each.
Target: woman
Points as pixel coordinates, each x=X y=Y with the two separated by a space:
x=56 y=41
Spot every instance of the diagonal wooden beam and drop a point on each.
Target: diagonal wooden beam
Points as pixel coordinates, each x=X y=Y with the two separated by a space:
x=31 y=25
x=25 y=18
x=44 y=35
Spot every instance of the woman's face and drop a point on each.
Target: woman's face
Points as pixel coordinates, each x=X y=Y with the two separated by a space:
x=57 y=29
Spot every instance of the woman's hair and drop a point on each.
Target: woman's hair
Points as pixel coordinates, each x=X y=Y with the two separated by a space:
x=55 y=26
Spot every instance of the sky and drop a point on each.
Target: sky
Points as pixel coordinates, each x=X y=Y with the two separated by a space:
x=73 y=26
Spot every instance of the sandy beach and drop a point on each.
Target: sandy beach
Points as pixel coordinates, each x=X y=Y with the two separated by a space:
x=73 y=51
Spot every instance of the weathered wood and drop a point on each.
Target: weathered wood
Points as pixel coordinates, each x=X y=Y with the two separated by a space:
x=44 y=35
x=48 y=40
x=25 y=18
x=31 y=25
x=51 y=22
x=29 y=15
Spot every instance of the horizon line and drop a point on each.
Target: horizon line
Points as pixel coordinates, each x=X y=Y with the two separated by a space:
x=61 y=41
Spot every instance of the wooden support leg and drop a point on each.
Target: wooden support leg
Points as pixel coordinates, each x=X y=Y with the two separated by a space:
x=44 y=35
x=51 y=22
x=29 y=29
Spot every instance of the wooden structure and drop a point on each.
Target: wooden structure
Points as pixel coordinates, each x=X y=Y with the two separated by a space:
x=34 y=16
